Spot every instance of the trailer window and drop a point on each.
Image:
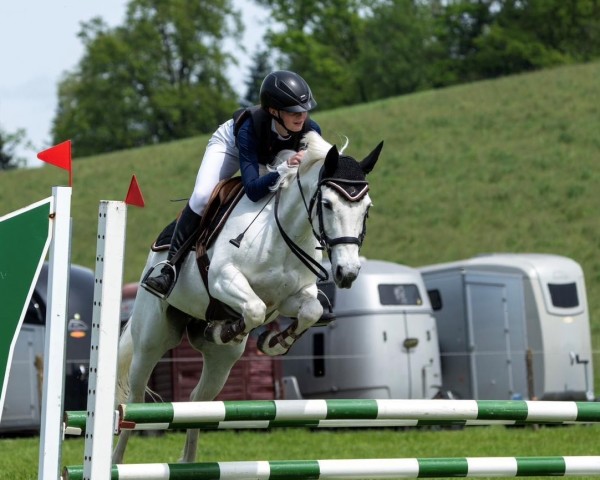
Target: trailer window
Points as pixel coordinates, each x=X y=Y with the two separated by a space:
x=398 y=294
x=435 y=297
x=564 y=295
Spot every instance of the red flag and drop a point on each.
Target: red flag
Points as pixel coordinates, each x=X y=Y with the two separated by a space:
x=59 y=156
x=134 y=194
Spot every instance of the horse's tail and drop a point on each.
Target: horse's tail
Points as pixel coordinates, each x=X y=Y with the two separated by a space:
x=123 y=363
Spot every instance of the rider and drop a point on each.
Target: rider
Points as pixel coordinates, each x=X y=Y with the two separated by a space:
x=249 y=140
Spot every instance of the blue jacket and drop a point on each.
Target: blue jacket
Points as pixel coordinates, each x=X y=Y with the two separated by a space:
x=258 y=144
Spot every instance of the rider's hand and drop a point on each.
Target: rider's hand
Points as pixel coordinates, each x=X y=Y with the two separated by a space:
x=295 y=159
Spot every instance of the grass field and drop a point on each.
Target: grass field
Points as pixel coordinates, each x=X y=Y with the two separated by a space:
x=18 y=457
x=505 y=165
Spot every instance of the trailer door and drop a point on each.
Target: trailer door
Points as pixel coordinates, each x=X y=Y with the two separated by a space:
x=421 y=348
x=417 y=340
x=497 y=336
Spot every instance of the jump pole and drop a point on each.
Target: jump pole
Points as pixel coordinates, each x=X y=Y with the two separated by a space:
x=262 y=414
x=357 y=468
x=283 y=413
x=112 y=220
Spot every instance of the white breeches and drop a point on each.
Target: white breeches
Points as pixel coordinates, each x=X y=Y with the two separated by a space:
x=220 y=162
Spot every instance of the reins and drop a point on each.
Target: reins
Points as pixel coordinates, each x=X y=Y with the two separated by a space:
x=310 y=263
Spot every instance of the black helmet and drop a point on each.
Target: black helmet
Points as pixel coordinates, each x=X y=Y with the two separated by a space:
x=284 y=90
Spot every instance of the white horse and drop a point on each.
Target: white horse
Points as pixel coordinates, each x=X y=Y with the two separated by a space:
x=321 y=203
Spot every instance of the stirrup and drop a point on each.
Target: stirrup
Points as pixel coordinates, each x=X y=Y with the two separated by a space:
x=154 y=292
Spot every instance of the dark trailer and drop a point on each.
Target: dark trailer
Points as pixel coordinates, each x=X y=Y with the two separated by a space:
x=22 y=406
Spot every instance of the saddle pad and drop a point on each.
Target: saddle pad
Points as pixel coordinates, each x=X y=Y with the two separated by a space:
x=163 y=240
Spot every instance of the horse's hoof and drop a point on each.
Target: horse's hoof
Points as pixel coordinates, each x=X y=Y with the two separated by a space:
x=223 y=333
x=212 y=333
x=272 y=344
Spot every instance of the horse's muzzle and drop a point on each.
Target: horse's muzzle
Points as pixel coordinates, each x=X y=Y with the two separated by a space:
x=345 y=277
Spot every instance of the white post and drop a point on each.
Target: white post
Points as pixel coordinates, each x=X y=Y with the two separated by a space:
x=51 y=434
x=105 y=339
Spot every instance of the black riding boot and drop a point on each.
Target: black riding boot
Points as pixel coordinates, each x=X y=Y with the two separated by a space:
x=185 y=233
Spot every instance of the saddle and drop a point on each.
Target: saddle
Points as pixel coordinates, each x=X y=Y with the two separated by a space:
x=221 y=203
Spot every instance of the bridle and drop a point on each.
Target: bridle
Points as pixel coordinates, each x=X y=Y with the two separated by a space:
x=351 y=190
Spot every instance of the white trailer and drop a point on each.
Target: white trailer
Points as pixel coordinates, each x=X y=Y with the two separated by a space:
x=513 y=326
x=382 y=344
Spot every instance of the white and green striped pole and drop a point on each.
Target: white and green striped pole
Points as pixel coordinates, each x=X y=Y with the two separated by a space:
x=260 y=414
x=315 y=413
x=356 y=468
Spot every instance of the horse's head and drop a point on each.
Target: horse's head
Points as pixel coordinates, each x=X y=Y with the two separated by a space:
x=340 y=205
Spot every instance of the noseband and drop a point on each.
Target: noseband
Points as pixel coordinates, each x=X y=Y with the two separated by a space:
x=351 y=190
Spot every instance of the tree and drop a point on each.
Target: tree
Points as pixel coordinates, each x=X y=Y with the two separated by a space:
x=321 y=41
x=353 y=51
x=534 y=34
x=478 y=39
x=258 y=71
x=392 y=59
x=161 y=76
x=9 y=144
x=458 y=25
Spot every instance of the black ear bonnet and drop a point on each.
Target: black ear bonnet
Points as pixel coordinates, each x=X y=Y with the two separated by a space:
x=347 y=178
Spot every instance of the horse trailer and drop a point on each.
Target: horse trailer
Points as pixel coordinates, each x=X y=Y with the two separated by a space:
x=22 y=405
x=382 y=343
x=512 y=326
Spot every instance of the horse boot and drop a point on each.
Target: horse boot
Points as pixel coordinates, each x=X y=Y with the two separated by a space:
x=185 y=234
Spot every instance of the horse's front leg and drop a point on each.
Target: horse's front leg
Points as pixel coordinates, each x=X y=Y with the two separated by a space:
x=306 y=309
x=232 y=288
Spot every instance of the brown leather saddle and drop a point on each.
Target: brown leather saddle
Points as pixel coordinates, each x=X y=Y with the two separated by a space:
x=223 y=200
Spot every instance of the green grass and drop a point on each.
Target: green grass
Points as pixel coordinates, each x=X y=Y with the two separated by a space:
x=505 y=165
x=18 y=457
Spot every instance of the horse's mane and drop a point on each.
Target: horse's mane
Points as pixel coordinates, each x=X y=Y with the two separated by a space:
x=316 y=150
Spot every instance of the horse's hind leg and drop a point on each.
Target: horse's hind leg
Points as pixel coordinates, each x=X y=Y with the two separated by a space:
x=218 y=362
x=153 y=333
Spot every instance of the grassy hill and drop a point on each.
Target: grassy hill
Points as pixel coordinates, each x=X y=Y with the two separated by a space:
x=505 y=165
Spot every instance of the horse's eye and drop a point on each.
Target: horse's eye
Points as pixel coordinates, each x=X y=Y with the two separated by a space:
x=327 y=204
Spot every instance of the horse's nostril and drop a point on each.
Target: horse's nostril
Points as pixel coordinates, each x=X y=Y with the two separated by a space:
x=345 y=278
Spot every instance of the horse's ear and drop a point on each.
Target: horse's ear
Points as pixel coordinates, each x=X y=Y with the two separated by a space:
x=331 y=162
x=371 y=159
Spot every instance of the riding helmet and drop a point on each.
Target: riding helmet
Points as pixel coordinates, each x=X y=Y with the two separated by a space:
x=285 y=90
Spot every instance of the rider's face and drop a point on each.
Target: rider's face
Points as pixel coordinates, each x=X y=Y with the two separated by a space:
x=293 y=121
